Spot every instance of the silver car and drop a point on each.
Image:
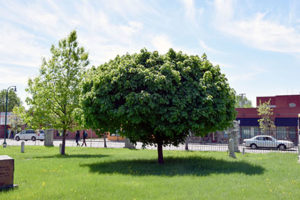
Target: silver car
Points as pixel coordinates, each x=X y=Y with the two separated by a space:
x=266 y=141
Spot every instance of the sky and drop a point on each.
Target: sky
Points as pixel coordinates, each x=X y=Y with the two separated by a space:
x=256 y=43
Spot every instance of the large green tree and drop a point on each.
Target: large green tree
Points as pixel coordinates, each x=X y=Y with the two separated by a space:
x=54 y=99
x=157 y=99
x=12 y=100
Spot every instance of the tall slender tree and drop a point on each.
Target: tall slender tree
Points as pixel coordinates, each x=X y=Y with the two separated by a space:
x=55 y=92
x=266 y=123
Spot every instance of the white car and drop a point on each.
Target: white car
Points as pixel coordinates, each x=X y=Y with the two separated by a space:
x=30 y=135
x=266 y=141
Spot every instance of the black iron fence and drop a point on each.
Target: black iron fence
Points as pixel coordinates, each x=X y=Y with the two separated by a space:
x=192 y=145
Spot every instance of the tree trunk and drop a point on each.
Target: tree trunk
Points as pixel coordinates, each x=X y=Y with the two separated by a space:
x=104 y=137
x=63 y=143
x=160 y=153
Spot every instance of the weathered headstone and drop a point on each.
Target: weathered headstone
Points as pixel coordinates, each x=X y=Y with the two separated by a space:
x=128 y=144
x=49 y=137
x=60 y=147
x=22 y=147
x=231 y=148
x=6 y=172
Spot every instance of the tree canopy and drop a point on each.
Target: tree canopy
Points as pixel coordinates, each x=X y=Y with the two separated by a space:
x=12 y=101
x=242 y=101
x=157 y=99
x=55 y=92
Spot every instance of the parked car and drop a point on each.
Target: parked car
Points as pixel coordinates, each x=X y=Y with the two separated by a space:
x=266 y=141
x=30 y=135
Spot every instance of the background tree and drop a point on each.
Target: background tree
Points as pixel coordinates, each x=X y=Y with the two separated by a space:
x=157 y=99
x=16 y=120
x=266 y=123
x=13 y=100
x=242 y=101
x=55 y=92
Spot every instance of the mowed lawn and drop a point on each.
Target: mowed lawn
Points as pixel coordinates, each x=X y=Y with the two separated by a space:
x=97 y=173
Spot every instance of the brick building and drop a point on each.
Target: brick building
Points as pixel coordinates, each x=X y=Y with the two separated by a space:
x=285 y=108
x=2 y=122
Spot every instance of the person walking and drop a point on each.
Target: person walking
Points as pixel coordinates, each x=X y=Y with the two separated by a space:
x=77 y=137
x=12 y=134
x=84 y=137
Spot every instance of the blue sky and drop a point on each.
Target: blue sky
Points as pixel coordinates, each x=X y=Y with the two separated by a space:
x=256 y=43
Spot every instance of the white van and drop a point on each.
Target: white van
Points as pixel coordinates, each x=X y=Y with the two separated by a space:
x=30 y=135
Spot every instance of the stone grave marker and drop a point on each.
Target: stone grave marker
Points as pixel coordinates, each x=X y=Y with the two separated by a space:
x=6 y=172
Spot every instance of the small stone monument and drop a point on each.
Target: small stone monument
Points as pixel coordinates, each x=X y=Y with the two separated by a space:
x=128 y=144
x=48 y=137
x=60 y=147
x=231 y=148
x=22 y=147
x=6 y=172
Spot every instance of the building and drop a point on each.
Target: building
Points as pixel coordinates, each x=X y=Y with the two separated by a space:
x=285 y=115
x=2 y=122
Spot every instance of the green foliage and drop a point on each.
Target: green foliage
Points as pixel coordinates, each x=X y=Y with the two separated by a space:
x=242 y=102
x=18 y=118
x=55 y=92
x=12 y=101
x=265 y=112
x=156 y=98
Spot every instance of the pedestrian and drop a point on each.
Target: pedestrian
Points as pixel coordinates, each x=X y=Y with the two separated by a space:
x=84 y=136
x=77 y=137
x=12 y=134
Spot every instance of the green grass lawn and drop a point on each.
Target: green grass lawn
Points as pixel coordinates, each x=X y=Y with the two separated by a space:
x=94 y=173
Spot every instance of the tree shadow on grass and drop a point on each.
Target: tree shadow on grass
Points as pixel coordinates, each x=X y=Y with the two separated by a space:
x=73 y=156
x=175 y=166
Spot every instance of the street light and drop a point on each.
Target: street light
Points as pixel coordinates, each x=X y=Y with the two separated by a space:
x=5 y=125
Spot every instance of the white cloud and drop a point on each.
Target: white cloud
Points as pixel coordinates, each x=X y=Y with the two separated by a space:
x=246 y=74
x=224 y=9
x=9 y=76
x=206 y=48
x=257 y=31
x=162 y=43
x=189 y=6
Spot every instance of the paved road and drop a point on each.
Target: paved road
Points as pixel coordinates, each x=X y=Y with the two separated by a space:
x=99 y=143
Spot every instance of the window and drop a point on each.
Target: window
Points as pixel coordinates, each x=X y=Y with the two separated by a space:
x=267 y=138
x=292 y=105
x=292 y=132
x=249 y=131
x=281 y=132
x=30 y=131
